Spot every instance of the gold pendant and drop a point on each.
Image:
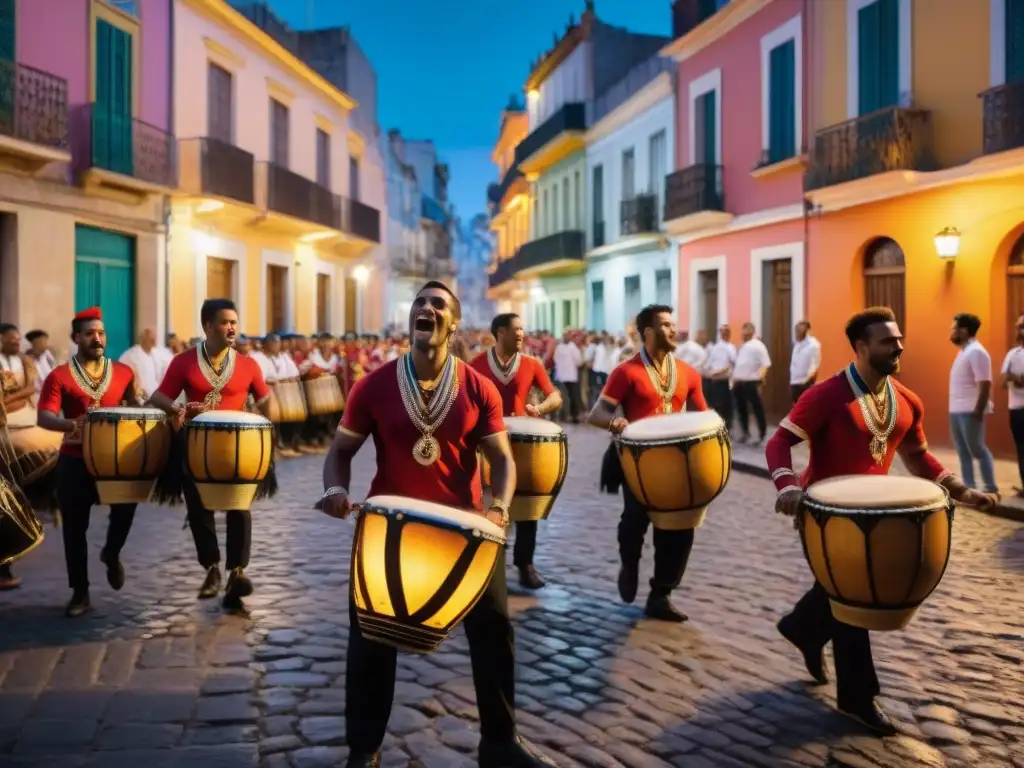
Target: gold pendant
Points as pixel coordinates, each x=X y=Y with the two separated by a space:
x=426 y=450
x=95 y=403
x=211 y=401
x=668 y=406
x=879 y=448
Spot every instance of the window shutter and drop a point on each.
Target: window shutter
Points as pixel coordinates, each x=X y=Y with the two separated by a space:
x=889 y=53
x=710 y=157
x=1014 y=40
x=8 y=27
x=121 y=101
x=868 y=59
x=782 y=103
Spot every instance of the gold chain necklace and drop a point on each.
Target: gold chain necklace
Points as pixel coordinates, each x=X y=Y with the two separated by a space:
x=94 y=388
x=880 y=427
x=427 y=417
x=216 y=379
x=664 y=384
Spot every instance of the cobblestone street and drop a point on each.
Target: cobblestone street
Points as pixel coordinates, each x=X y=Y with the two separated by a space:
x=153 y=678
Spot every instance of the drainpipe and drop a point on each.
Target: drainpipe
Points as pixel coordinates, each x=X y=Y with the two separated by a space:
x=808 y=143
x=167 y=201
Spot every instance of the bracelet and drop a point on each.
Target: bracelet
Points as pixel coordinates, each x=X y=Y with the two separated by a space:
x=502 y=507
x=334 y=490
x=789 y=489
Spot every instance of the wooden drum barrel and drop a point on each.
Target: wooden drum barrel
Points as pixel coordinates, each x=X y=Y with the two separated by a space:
x=323 y=396
x=676 y=464
x=541 y=453
x=418 y=568
x=228 y=454
x=878 y=544
x=290 y=399
x=125 y=449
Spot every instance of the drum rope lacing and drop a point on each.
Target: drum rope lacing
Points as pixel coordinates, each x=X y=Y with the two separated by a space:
x=216 y=379
x=665 y=386
x=94 y=388
x=504 y=373
x=427 y=417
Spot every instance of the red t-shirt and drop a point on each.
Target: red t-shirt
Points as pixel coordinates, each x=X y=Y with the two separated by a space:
x=829 y=417
x=375 y=408
x=515 y=390
x=630 y=386
x=185 y=375
x=60 y=392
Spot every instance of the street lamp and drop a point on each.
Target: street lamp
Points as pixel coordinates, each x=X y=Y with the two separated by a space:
x=361 y=274
x=947 y=243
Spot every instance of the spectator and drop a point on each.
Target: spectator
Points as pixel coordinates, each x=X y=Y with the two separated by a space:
x=751 y=366
x=1013 y=381
x=567 y=360
x=970 y=387
x=718 y=369
x=805 y=361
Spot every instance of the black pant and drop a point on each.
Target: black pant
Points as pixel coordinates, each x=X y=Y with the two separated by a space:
x=795 y=390
x=204 y=532
x=526 y=543
x=719 y=398
x=812 y=625
x=571 y=406
x=76 y=495
x=1017 y=429
x=370 y=672
x=748 y=397
x=671 y=548
x=597 y=382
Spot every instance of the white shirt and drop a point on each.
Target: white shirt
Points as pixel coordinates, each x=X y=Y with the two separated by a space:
x=805 y=361
x=590 y=354
x=327 y=364
x=1014 y=363
x=693 y=354
x=971 y=367
x=568 y=360
x=721 y=357
x=146 y=366
x=751 y=359
x=276 y=368
x=45 y=363
x=163 y=357
x=605 y=356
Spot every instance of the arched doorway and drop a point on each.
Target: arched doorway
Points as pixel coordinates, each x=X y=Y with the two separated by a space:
x=1015 y=288
x=885 y=278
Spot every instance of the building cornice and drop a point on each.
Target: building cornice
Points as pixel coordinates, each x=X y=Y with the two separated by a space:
x=717 y=26
x=238 y=25
x=656 y=91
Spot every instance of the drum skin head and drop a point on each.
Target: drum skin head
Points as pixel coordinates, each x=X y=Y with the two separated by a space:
x=876 y=492
x=673 y=425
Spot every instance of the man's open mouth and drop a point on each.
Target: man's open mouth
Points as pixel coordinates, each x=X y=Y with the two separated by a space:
x=424 y=323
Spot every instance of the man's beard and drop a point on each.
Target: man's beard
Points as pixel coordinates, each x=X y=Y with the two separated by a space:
x=884 y=366
x=93 y=353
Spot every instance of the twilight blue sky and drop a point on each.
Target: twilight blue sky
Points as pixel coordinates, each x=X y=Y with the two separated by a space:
x=445 y=68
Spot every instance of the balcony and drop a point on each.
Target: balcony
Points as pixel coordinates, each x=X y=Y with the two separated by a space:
x=498 y=191
x=687 y=15
x=295 y=204
x=694 y=199
x=119 y=154
x=639 y=216
x=889 y=141
x=363 y=221
x=504 y=272
x=1003 y=117
x=556 y=138
x=212 y=168
x=431 y=210
x=555 y=254
x=33 y=118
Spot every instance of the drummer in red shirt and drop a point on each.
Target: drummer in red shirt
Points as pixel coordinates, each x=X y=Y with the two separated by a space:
x=632 y=387
x=214 y=377
x=831 y=417
x=514 y=374
x=89 y=380
x=428 y=413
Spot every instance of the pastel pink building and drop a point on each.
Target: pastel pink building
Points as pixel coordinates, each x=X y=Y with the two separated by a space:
x=735 y=203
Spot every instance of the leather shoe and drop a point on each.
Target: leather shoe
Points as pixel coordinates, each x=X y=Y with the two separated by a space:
x=239 y=585
x=814 y=658
x=211 y=584
x=629 y=581
x=661 y=608
x=517 y=753
x=7 y=579
x=529 y=577
x=115 y=570
x=79 y=605
x=872 y=717
x=363 y=760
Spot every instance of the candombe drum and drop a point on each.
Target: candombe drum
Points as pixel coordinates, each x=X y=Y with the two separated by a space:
x=289 y=398
x=541 y=453
x=676 y=464
x=418 y=568
x=20 y=531
x=877 y=544
x=125 y=449
x=323 y=395
x=228 y=454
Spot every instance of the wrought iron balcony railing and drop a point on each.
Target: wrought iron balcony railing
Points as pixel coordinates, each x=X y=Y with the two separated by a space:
x=570 y=117
x=223 y=169
x=363 y=221
x=546 y=250
x=694 y=190
x=689 y=14
x=433 y=211
x=890 y=139
x=505 y=271
x=111 y=141
x=499 y=190
x=1003 y=117
x=292 y=194
x=639 y=215
x=33 y=105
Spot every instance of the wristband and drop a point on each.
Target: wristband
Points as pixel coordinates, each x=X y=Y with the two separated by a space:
x=334 y=490
x=788 y=489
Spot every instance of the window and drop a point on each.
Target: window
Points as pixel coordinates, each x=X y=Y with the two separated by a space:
x=705 y=130
x=598 y=206
x=1014 y=40
x=568 y=219
x=323 y=158
x=576 y=201
x=220 y=117
x=878 y=56
x=663 y=287
x=545 y=222
x=8 y=34
x=353 y=178
x=657 y=159
x=632 y=302
x=278 y=133
x=782 y=102
x=554 y=209
x=597 y=305
x=628 y=174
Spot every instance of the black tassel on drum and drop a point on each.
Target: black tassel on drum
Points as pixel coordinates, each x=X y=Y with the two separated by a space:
x=268 y=486
x=611 y=471
x=171 y=481
x=42 y=497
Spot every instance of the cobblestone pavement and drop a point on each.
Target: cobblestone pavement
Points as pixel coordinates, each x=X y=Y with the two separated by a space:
x=154 y=679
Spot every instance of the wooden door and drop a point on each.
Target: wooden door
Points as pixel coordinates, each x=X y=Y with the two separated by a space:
x=776 y=332
x=708 y=316
x=220 y=278
x=351 y=306
x=323 y=304
x=277 y=286
x=105 y=277
x=1014 y=301
x=885 y=279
